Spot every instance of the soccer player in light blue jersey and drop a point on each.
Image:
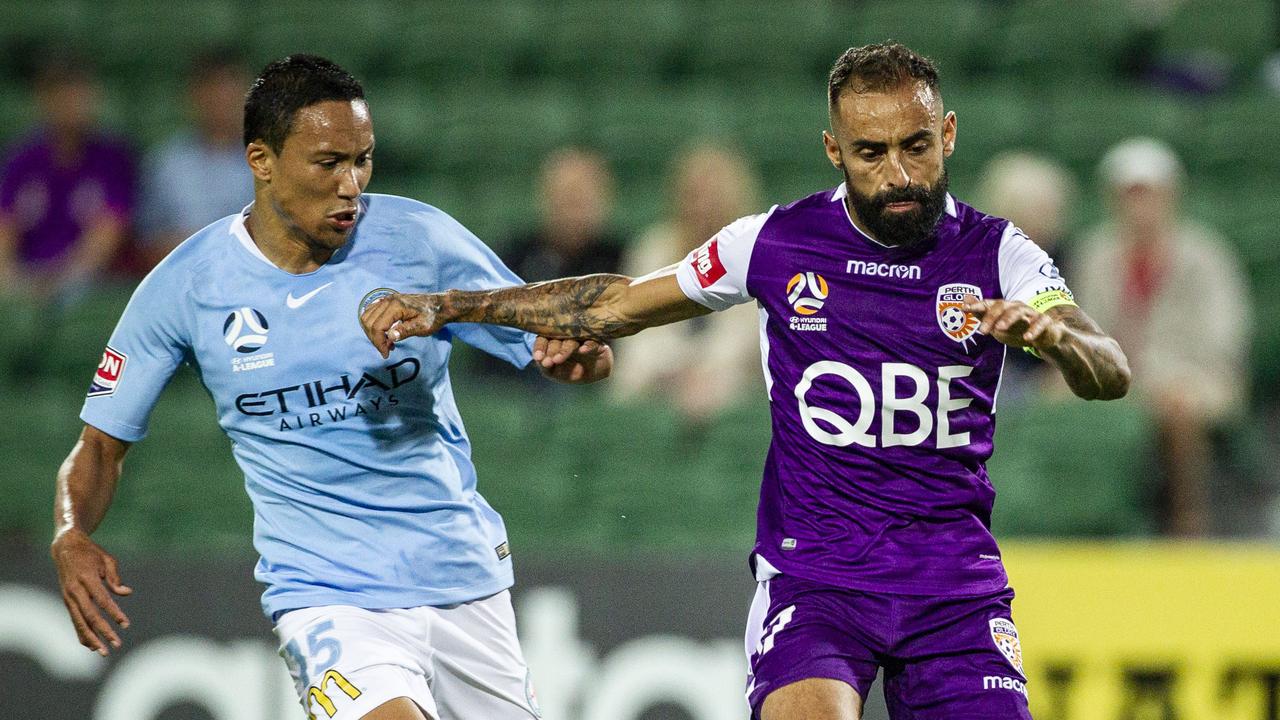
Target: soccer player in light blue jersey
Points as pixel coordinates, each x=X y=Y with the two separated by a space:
x=386 y=573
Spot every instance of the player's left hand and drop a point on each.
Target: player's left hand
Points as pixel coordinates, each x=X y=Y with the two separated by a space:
x=573 y=361
x=1015 y=324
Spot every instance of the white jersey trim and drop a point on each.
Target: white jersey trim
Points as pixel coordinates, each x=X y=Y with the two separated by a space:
x=1025 y=269
x=764 y=353
x=715 y=274
x=241 y=233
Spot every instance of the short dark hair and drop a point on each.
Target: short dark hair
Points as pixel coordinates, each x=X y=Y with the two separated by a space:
x=877 y=68
x=288 y=85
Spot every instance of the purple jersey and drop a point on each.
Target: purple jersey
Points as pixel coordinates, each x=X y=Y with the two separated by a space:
x=882 y=393
x=52 y=204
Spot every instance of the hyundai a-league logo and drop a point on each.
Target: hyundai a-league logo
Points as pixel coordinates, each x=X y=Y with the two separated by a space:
x=245 y=330
x=954 y=321
x=806 y=292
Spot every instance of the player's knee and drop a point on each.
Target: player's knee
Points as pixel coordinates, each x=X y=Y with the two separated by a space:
x=813 y=699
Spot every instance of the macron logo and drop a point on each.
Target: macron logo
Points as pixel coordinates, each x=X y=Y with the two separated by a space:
x=859 y=267
x=707 y=265
x=296 y=302
x=996 y=682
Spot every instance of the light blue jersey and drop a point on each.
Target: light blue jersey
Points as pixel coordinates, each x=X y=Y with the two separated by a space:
x=359 y=469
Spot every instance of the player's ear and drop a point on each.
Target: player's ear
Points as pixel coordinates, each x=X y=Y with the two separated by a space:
x=948 y=134
x=833 y=150
x=261 y=160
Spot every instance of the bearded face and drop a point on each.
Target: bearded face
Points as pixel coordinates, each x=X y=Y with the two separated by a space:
x=901 y=217
x=891 y=145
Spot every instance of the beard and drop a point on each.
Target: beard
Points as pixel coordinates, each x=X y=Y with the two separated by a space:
x=902 y=230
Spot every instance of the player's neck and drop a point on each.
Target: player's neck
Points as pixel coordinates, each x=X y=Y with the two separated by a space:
x=285 y=246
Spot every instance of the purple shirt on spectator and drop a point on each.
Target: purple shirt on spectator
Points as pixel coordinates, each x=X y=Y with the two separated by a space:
x=51 y=205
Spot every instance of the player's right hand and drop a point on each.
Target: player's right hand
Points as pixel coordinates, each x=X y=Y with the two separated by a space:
x=393 y=318
x=88 y=576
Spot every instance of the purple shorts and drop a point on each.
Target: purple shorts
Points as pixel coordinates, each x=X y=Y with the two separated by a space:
x=956 y=658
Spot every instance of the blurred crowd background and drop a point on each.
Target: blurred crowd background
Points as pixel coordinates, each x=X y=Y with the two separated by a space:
x=1136 y=140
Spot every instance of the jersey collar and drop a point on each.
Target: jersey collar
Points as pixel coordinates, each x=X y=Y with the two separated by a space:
x=241 y=233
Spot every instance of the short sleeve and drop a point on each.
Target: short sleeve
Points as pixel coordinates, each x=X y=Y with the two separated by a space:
x=466 y=263
x=1028 y=274
x=149 y=343
x=715 y=274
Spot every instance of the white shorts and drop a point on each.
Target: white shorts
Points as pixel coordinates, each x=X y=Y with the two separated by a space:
x=460 y=662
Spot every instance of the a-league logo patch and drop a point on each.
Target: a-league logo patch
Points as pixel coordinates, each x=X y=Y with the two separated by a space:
x=954 y=321
x=245 y=330
x=1005 y=636
x=807 y=292
x=107 y=377
x=707 y=265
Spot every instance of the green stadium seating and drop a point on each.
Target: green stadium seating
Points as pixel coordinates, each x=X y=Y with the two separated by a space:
x=1071 y=468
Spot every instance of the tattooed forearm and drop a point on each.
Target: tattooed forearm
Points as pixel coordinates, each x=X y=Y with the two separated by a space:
x=1091 y=362
x=571 y=308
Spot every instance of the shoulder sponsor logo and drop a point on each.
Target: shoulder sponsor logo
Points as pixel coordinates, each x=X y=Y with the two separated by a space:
x=1005 y=636
x=296 y=302
x=107 y=376
x=954 y=321
x=707 y=265
x=885 y=270
x=1050 y=271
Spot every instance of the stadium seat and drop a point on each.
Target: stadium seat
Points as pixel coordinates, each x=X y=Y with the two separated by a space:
x=1070 y=468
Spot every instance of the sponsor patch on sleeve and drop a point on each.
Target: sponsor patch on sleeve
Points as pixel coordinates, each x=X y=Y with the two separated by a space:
x=707 y=265
x=1050 y=298
x=107 y=376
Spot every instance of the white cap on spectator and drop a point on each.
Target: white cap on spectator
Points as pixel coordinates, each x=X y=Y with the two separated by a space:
x=1141 y=161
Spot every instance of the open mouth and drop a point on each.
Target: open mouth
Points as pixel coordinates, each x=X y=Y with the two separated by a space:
x=899 y=207
x=343 y=220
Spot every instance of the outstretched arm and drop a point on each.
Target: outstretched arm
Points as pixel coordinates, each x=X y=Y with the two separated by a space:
x=86 y=572
x=597 y=307
x=1091 y=362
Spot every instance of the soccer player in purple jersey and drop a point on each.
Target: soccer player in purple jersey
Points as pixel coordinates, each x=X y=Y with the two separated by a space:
x=886 y=311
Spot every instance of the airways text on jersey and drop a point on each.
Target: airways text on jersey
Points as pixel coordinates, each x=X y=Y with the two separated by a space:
x=314 y=403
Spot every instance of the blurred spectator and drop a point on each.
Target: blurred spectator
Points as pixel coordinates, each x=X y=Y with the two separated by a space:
x=1172 y=293
x=707 y=363
x=199 y=174
x=66 y=191
x=575 y=194
x=1036 y=194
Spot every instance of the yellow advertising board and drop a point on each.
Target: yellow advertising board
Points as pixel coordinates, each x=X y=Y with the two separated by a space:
x=1148 y=631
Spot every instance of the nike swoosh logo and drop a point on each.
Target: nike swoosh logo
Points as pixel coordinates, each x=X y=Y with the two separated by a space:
x=296 y=302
